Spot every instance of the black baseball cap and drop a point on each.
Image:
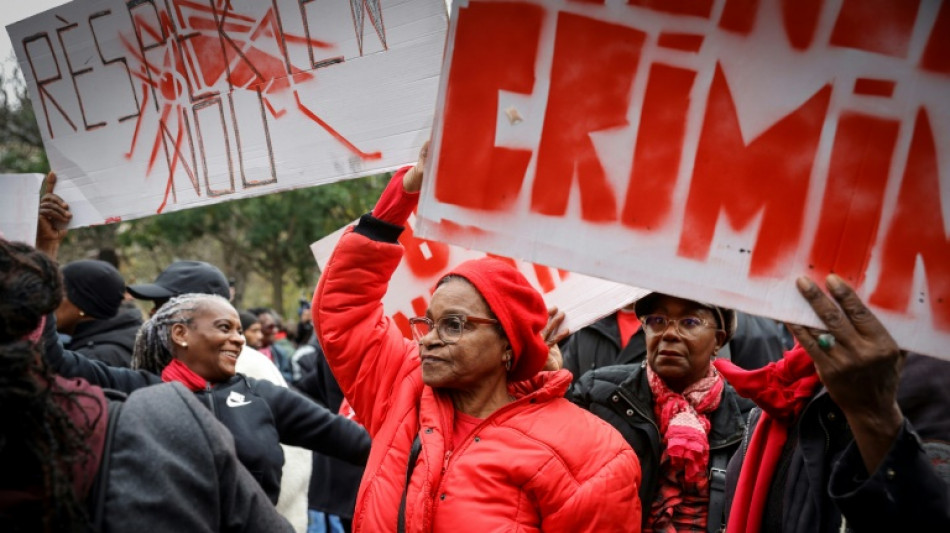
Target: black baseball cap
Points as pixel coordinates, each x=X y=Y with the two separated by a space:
x=184 y=277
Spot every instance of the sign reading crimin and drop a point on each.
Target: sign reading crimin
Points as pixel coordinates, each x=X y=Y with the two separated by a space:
x=714 y=149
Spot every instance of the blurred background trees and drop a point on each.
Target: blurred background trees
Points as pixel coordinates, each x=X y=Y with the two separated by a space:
x=262 y=243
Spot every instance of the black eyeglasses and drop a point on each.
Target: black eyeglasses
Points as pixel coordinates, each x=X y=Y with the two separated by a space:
x=449 y=328
x=687 y=326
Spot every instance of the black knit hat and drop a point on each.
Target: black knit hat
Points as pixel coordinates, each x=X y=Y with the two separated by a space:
x=184 y=277
x=95 y=287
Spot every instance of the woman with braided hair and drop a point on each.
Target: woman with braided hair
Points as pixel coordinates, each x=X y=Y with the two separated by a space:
x=30 y=287
x=195 y=340
x=64 y=449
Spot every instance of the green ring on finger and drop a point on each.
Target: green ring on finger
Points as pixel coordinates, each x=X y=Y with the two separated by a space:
x=826 y=341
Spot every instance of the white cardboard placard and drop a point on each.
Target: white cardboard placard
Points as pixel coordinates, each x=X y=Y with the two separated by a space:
x=155 y=106
x=19 y=206
x=712 y=149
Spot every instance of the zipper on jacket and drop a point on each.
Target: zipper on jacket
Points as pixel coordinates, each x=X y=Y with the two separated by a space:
x=210 y=391
x=448 y=455
x=445 y=461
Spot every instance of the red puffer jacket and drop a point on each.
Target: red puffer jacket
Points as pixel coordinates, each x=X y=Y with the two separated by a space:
x=537 y=464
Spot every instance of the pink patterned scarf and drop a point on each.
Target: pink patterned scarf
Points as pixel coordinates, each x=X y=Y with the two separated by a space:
x=683 y=497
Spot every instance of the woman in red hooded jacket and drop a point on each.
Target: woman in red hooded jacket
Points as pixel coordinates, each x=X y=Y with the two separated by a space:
x=469 y=434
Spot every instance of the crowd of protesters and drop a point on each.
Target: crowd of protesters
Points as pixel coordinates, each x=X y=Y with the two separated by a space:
x=667 y=415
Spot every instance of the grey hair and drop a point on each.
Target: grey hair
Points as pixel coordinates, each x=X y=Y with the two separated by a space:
x=153 y=343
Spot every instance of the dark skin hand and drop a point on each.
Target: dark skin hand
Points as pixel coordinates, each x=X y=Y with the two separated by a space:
x=553 y=334
x=861 y=371
x=54 y=217
x=412 y=181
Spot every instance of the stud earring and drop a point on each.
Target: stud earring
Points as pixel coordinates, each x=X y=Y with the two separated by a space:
x=184 y=345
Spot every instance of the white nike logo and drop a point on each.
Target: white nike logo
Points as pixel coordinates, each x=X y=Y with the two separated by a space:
x=236 y=399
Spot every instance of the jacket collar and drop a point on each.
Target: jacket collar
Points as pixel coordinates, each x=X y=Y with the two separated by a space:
x=726 y=422
x=128 y=319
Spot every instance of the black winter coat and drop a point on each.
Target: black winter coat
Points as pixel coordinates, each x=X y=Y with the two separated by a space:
x=621 y=395
x=157 y=478
x=110 y=340
x=259 y=414
x=334 y=483
x=822 y=486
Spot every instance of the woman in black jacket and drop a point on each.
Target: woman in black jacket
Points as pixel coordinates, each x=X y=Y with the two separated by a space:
x=195 y=339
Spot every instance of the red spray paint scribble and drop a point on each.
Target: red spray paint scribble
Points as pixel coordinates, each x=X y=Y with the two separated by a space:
x=420 y=264
x=473 y=171
x=785 y=153
x=854 y=196
x=880 y=26
x=874 y=87
x=591 y=77
x=917 y=229
x=656 y=160
x=696 y=8
x=687 y=42
x=240 y=62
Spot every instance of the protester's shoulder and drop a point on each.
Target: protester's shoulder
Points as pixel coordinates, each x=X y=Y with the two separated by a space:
x=163 y=406
x=924 y=397
x=580 y=440
x=603 y=381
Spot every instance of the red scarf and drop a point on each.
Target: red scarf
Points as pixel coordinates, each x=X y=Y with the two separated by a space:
x=781 y=389
x=177 y=371
x=683 y=496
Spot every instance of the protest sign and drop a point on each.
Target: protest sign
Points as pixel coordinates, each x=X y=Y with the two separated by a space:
x=583 y=299
x=151 y=106
x=714 y=149
x=19 y=205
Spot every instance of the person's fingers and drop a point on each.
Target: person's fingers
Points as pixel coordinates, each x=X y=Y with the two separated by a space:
x=557 y=333
x=50 y=182
x=829 y=313
x=53 y=198
x=858 y=314
x=424 y=152
x=54 y=211
x=808 y=339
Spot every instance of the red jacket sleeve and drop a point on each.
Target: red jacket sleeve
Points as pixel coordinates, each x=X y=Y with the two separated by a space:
x=395 y=204
x=367 y=353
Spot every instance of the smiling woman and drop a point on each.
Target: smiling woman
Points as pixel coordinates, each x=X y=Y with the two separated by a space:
x=196 y=339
